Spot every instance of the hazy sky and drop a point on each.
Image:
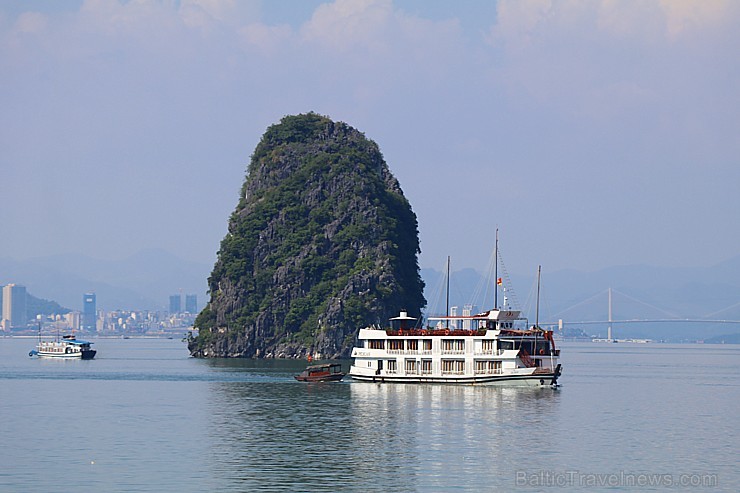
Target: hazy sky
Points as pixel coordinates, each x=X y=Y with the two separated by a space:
x=592 y=133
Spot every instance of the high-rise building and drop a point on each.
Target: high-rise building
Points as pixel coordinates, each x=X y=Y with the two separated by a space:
x=89 y=312
x=191 y=303
x=73 y=320
x=175 y=303
x=14 y=306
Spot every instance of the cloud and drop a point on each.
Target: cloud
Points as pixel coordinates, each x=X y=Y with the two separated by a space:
x=265 y=39
x=146 y=99
x=600 y=58
x=31 y=22
x=345 y=24
x=687 y=16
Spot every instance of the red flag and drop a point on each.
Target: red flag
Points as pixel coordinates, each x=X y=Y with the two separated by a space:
x=499 y=281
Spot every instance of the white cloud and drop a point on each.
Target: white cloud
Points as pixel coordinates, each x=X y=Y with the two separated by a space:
x=345 y=24
x=684 y=16
x=559 y=85
x=267 y=39
x=31 y=22
x=205 y=14
x=610 y=56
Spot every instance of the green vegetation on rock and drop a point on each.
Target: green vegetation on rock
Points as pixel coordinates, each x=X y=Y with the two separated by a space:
x=321 y=244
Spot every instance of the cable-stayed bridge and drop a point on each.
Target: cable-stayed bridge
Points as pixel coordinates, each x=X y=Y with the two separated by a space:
x=654 y=315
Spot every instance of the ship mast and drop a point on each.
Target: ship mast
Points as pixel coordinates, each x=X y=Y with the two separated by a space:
x=495 y=273
x=537 y=311
x=448 y=292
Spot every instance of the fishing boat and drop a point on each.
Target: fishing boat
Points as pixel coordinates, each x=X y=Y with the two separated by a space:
x=68 y=347
x=494 y=347
x=331 y=372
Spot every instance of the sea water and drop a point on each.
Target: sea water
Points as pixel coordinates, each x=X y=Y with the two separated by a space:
x=144 y=416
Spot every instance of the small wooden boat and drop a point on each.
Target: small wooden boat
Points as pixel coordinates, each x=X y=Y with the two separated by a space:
x=331 y=372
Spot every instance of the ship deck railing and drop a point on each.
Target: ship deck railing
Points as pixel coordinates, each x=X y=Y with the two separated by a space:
x=489 y=352
x=409 y=351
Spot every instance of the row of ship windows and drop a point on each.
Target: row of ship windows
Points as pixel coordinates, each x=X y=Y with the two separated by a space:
x=448 y=366
x=541 y=346
x=426 y=344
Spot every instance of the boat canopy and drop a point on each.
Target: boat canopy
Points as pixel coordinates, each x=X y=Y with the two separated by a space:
x=77 y=342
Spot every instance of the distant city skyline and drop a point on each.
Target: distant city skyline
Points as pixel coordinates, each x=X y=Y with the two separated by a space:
x=16 y=313
x=593 y=134
x=179 y=305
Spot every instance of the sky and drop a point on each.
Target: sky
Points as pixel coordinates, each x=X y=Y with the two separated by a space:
x=590 y=133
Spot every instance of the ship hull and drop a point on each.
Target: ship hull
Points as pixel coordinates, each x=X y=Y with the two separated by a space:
x=535 y=380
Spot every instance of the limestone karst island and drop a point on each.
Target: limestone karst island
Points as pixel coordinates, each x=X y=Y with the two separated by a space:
x=322 y=243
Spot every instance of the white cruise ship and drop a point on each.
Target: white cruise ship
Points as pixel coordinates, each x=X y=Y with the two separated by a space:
x=486 y=348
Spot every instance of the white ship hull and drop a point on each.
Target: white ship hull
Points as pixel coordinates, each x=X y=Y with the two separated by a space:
x=59 y=356
x=530 y=380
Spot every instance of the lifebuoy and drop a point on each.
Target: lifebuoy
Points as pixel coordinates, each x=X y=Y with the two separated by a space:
x=68 y=350
x=447 y=332
x=542 y=352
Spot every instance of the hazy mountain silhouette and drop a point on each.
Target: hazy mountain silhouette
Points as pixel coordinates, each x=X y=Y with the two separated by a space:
x=142 y=281
x=638 y=292
x=146 y=279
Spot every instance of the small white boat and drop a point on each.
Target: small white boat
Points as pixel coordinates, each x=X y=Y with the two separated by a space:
x=68 y=347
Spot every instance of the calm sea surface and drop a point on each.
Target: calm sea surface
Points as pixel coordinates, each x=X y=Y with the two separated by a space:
x=143 y=416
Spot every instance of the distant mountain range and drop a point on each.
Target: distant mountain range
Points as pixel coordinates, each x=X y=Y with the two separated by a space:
x=638 y=292
x=144 y=282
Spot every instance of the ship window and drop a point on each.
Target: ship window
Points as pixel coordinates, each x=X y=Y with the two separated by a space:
x=540 y=347
x=395 y=345
x=487 y=366
x=391 y=366
x=427 y=344
x=426 y=366
x=453 y=344
x=376 y=344
x=505 y=345
x=456 y=366
x=412 y=345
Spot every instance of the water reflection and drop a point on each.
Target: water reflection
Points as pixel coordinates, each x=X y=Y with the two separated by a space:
x=442 y=437
x=271 y=433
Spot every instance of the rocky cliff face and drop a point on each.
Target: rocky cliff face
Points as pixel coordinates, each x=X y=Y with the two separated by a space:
x=321 y=244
